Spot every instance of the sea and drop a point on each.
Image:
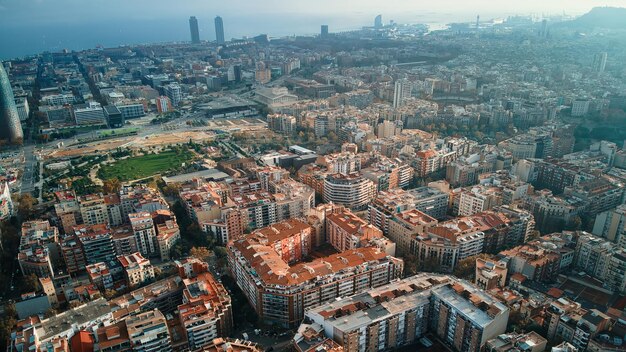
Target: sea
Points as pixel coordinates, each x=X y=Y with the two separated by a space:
x=19 y=40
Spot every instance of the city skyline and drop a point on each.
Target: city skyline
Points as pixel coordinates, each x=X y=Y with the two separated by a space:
x=34 y=28
x=319 y=176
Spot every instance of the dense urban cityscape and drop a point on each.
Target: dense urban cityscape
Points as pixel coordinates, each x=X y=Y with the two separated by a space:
x=394 y=187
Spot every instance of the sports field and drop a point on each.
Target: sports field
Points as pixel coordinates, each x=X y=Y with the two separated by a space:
x=144 y=166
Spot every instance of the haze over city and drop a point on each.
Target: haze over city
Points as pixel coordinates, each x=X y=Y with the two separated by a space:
x=31 y=26
x=312 y=176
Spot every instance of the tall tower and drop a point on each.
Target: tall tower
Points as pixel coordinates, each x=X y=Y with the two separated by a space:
x=10 y=126
x=378 y=21
x=599 y=62
x=477 y=21
x=219 y=30
x=544 y=29
x=193 y=28
x=401 y=91
x=324 y=31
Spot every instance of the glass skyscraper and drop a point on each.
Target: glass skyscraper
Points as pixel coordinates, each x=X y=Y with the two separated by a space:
x=219 y=30
x=10 y=126
x=193 y=27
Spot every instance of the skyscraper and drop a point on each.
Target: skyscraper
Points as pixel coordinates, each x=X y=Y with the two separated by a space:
x=10 y=126
x=219 y=30
x=543 y=32
x=599 y=62
x=324 y=31
x=193 y=27
x=378 y=21
x=401 y=91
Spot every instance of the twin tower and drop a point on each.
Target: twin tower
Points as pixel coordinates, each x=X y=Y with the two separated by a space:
x=195 y=33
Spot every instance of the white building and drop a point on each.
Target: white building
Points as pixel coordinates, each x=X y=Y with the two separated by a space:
x=92 y=114
x=401 y=91
x=6 y=204
x=144 y=232
x=353 y=190
x=175 y=93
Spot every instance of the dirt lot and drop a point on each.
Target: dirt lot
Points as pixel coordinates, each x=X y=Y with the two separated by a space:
x=135 y=142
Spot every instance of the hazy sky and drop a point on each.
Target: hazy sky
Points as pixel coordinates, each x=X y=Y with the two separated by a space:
x=32 y=26
x=63 y=11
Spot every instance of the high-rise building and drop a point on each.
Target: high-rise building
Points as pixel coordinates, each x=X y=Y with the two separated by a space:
x=353 y=190
x=324 y=31
x=10 y=126
x=599 y=62
x=219 y=30
x=145 y=234
x=206 y=312
x=6 y=204
x=401 y=91
x=378 y=21
x=193 y=27
x=174 y=93
x=543 y=32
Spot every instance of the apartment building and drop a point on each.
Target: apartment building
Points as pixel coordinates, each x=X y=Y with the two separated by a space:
x=431 y=201
x=100 y=275
x=405 y=226
x=345 y=230
x=168 y=234
x=96 y=242
x=291 y=239
x=280 y=292
x=388 y=203
x=137 y=269
x=451 y=241
x=144 y=233
x=490 y=274
x=148 y=332
x=38 y=249
x=353 y=190
x=402 y=312
x=206 y=311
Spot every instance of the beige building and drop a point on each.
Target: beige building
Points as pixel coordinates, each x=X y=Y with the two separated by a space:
x=137 y=269
x=490 y=274
x=168 y=234
x=405 y=226
x=148 y=332
x=206 y=312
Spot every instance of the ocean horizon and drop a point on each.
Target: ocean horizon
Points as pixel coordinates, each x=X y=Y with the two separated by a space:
x=21 y=41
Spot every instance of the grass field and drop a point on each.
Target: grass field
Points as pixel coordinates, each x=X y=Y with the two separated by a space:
x=144 y=166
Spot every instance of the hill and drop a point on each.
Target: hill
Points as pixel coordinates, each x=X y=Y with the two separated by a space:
x=600 y=17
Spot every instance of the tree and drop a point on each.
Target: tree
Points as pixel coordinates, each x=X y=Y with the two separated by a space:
x=466 y=268
x=153 y=184
x=32 y=282
x=108 y=294
x=112 y=185
x=430 y=264
x=200 y=252
x=332 y=136
x=574 y=224
x=50 y=313
x=26 y=205
x=171 y=190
